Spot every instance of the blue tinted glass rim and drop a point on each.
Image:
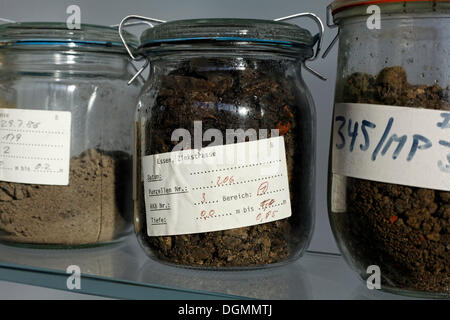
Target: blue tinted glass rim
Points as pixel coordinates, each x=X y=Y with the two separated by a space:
x=230 y=39
x=58 y=42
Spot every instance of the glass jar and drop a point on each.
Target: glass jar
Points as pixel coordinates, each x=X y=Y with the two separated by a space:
x=65 y=135
x=390 y=153
x=225 y=144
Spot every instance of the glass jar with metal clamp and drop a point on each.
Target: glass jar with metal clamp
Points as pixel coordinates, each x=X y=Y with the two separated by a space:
x=225 y=142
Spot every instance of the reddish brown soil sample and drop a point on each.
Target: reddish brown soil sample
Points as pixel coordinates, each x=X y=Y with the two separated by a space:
x=405 y=230
x=218 y=98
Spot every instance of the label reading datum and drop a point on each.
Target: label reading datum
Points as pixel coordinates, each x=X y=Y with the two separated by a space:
x=216 y=188
x=398 y=145
x=35 y=146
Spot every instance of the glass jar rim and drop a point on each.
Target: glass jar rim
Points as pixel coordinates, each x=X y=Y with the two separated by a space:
x=252 y=31
x=54 y=35
x=392 y=6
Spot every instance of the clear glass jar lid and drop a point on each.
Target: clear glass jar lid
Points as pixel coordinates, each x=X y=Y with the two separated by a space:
x=232 y=30
x=56 y=34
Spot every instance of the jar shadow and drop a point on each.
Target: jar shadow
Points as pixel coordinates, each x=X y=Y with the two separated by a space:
x=287 y=282
x=110 y=261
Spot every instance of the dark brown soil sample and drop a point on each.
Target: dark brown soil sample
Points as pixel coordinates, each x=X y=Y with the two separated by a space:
x=91 y=209
x=199 y=90
x=405 y=230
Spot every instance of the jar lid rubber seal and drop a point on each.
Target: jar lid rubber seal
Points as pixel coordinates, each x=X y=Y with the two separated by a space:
x=248 y=31
x=234 y=30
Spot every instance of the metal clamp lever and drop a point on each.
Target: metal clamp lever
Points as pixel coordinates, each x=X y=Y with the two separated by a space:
x=319 y=42
x=141 y=20
x=331 y=25
x=146 y=20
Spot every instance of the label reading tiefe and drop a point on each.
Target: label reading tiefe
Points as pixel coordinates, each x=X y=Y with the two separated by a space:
x=35 y=146
x=399 y=145
x=216 y=188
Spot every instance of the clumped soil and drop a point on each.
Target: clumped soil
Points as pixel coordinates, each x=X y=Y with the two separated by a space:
x=92 y=209
x=405 y=230
x=217 y=97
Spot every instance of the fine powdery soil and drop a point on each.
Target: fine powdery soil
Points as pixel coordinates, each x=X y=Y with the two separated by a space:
x=90 y=210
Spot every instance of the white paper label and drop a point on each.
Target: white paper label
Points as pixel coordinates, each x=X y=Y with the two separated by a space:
x=338 y=193
x=35 y=146
x=216 y=188
x=398 y=145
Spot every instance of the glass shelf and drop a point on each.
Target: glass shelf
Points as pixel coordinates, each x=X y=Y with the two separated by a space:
x=124 y=271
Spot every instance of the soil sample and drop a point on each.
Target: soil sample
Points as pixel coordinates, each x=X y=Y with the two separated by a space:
x=92 y=209
x=199 y=90
x=405 y=230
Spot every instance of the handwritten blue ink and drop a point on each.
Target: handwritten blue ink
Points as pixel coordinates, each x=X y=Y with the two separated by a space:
x=415 y=146
x=383 y=139
x=401 y=142
x=444 y=143
x=365 y=124
x=341 y=135
x=444 y=167
x=445 y=124
x=352 y=134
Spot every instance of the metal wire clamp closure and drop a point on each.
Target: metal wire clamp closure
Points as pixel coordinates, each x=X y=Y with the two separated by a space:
x=330 y=25
x=319 y=42
x=141 y=20
x=146 y=20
